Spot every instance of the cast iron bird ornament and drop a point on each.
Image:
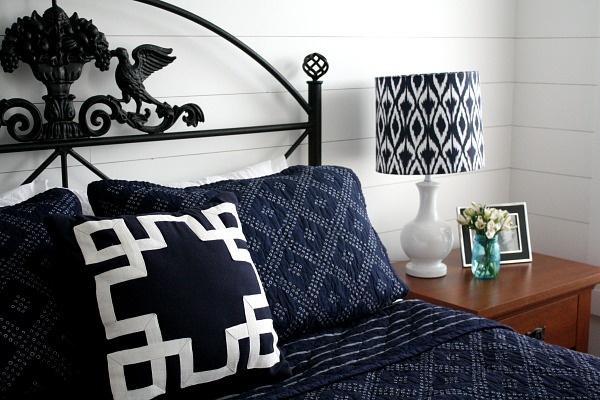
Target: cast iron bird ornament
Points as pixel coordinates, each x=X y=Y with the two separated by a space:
x=148 y=58
x=130 y=78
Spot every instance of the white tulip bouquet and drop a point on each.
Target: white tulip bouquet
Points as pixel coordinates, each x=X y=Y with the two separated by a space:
x=485 y=220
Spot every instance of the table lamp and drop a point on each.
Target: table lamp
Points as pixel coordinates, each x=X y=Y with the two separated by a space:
x=428 y=124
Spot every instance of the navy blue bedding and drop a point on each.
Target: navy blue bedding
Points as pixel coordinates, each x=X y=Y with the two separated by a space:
x=416 y=350
x=348 y=331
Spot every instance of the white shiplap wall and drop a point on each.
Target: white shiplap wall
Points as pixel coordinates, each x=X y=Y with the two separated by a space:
x=554 y=118
x=555 y=166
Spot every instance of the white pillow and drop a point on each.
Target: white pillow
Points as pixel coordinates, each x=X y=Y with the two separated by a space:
x=279 y=164
x=23 y=192
x=86 y=207
x=38 y=186
x=252 y=171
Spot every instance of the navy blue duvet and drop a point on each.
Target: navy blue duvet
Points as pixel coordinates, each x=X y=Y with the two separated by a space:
x=415 y=350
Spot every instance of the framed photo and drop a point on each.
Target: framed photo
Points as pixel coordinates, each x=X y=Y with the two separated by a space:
x=514 y=244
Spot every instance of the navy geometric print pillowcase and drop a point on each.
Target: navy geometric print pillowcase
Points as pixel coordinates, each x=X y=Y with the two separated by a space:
x=320 y=260
x=167 y=304
x=35 y=341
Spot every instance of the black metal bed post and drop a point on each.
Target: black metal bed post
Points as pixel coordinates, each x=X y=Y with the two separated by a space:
x=315 y=120
x=315 y=65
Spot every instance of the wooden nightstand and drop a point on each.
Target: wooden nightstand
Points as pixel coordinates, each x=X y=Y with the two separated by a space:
x=548 y=295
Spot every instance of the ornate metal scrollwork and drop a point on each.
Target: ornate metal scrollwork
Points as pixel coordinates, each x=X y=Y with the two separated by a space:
x=96 y=121
x=56 y=48
x=21 y=127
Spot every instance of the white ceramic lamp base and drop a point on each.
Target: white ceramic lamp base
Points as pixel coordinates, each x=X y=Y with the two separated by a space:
x=426 y=240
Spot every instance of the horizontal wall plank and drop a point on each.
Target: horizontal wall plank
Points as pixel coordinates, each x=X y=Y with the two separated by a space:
x=558 y=237
x=472 y=18
x=497 y=147
x=552 y=157
x=556 y=18
x=381 y=18
x=551 y=195
x=497 y=104
x=567 y=107
x=548 y=60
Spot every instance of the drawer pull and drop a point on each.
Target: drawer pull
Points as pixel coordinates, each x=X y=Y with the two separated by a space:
x=538 y=333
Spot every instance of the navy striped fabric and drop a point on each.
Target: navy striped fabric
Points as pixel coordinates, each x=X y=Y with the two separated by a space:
x=392 y=334
x=415 y=350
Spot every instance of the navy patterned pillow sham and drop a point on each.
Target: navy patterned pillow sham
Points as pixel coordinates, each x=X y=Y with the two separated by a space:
x=168 y=304
x=320 y=260
x=35 y=341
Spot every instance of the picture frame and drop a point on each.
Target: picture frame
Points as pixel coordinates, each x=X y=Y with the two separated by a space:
x=515 y=246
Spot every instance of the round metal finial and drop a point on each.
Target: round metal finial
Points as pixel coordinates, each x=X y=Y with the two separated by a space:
x=315 y=65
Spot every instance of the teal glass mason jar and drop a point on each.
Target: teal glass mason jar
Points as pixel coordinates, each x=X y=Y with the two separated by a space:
x=485 y=263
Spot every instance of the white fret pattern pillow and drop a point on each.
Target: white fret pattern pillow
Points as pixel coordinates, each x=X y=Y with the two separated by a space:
x=169 y=302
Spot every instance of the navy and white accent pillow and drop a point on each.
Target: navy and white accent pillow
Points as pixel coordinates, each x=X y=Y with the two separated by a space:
x=168 y=304
x=320 y=260
x=35 y=341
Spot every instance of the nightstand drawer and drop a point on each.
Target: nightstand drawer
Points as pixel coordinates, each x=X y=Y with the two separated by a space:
x=559 y=319
x=548 y=292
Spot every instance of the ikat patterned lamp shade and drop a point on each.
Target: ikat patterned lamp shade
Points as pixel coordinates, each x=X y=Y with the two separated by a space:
x=429 y=124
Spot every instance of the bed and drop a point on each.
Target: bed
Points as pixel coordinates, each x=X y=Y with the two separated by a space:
x=264 y=283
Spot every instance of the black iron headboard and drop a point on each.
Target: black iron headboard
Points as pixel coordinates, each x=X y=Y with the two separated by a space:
x=57 y=47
